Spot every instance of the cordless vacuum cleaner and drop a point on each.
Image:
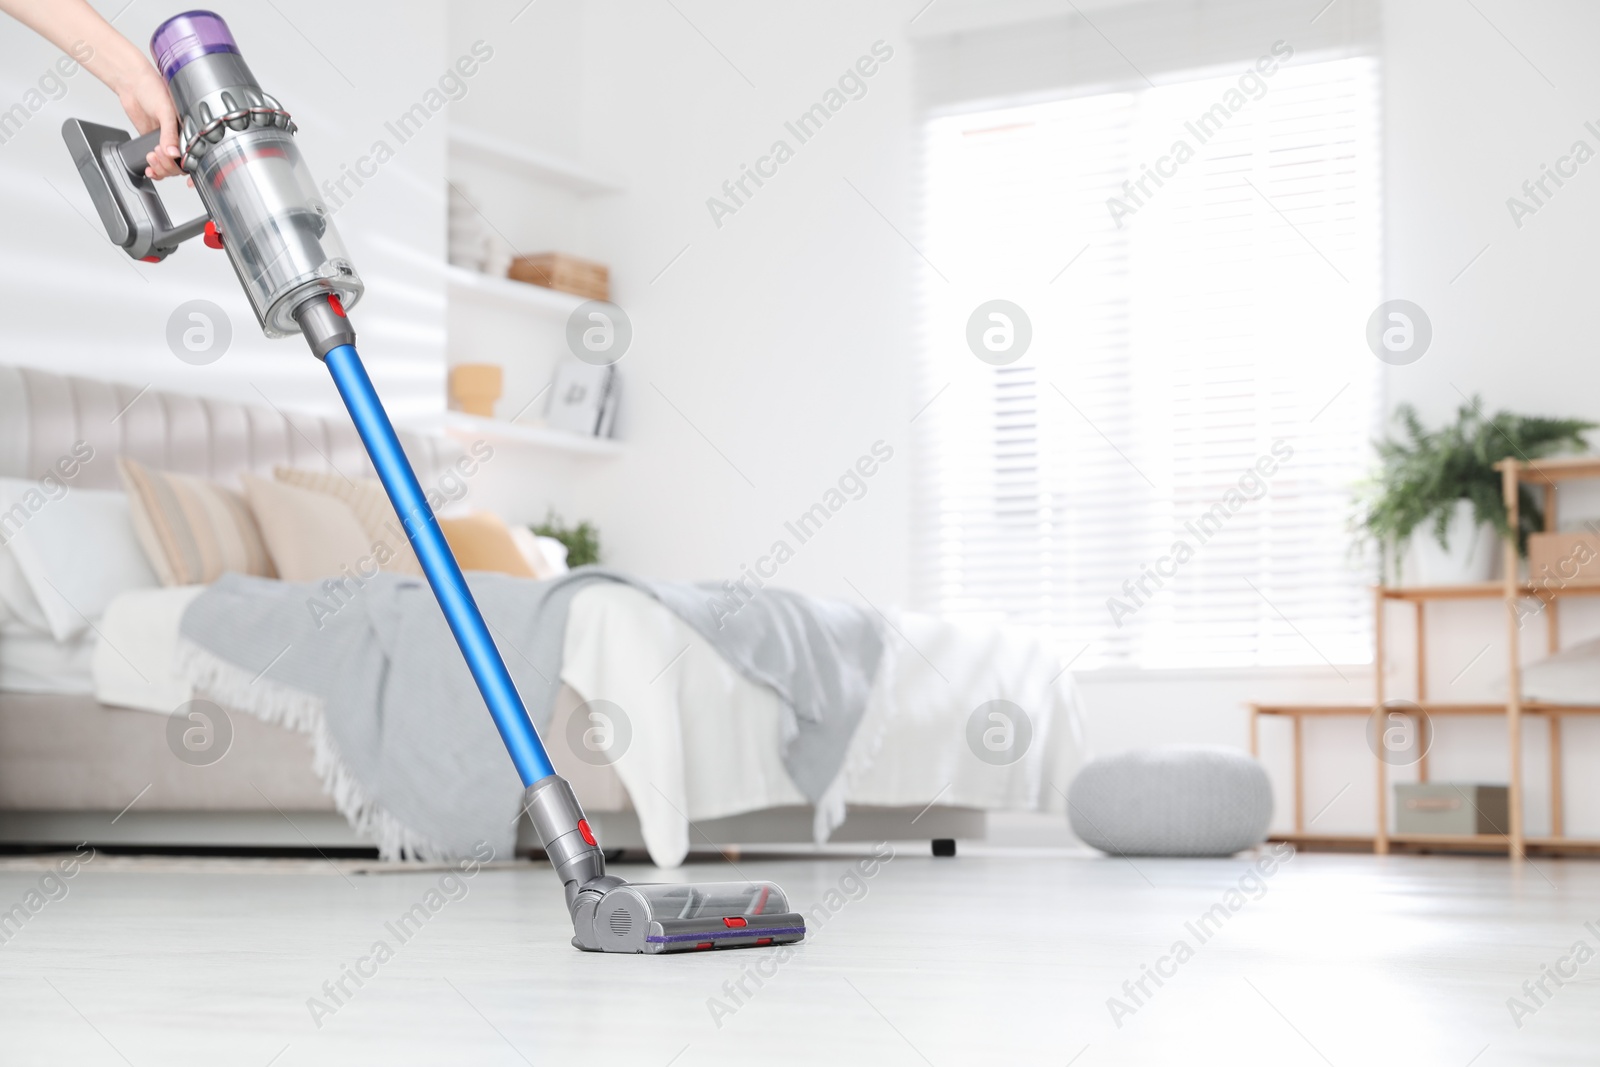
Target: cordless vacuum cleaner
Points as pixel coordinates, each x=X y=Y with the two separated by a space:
x=263 y=210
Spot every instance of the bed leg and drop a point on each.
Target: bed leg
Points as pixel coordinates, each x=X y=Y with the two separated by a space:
x=944 y=846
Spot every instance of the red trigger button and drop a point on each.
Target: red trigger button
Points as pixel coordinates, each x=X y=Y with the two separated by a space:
x=212 y=238
x=583 y=828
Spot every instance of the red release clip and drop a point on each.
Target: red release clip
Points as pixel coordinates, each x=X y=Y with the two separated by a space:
x=338 y=309
x=212 y=238
x=733 y=922
x=583 y=824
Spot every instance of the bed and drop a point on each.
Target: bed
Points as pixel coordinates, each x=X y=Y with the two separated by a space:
x=84 y=745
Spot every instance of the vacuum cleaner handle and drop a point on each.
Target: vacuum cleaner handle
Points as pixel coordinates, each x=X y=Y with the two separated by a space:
x=136 y=153
x=112 y=164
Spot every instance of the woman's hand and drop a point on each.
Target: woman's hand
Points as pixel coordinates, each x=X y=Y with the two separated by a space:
x=145 y=98
x=78 y=29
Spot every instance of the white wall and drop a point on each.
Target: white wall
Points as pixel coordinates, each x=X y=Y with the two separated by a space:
x=527 y=94
x=778 y=348
x=74 y=303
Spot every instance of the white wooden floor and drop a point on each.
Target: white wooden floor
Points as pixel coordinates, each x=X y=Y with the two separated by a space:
x=985 y=959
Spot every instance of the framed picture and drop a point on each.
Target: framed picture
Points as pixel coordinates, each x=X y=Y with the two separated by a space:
x=579 y=397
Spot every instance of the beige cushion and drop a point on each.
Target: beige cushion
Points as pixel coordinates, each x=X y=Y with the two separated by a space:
x=310 y=535
x=370 y=504
x=192 y=530
x=482 y=542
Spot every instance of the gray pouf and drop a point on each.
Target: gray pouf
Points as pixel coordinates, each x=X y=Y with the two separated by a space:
x=1179 y=800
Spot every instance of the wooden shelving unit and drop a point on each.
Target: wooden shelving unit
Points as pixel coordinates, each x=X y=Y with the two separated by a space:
x=1512 y=590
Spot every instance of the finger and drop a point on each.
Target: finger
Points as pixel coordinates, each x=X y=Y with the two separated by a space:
x=168 y=150
x=161 y=164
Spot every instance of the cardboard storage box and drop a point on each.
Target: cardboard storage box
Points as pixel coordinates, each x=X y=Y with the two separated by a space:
x=1451 y=808
x=1563 y=558
x=474 y=387
x=569 y=274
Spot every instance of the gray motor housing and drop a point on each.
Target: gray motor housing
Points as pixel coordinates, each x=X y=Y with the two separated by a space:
x=237 y=143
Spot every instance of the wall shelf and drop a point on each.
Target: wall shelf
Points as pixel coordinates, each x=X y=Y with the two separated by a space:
x=494 y=150
x=473 y=427
x=503 y=292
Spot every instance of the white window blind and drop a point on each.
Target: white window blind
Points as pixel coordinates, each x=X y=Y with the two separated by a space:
x=1216 y=333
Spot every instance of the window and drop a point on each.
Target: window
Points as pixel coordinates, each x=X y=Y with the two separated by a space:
x=1163 y=478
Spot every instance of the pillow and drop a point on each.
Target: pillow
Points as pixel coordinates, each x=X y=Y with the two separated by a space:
x=482 y=542
x=19 y=608
x=534 y=551
x=555 y=552
x=370 y=504
x=192 y=530
x=74 y=549
x=310 y=536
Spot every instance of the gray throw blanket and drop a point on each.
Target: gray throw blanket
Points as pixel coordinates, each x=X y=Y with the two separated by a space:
x=402 y=739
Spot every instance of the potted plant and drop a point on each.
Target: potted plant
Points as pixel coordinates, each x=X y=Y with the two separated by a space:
x=582 y=541
x=1444 y=480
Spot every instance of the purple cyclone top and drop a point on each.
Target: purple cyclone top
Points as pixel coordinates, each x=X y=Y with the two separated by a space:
x=187 y=37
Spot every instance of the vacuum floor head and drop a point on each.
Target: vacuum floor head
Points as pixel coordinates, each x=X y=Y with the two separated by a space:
x=689 y=917
x=610 y=915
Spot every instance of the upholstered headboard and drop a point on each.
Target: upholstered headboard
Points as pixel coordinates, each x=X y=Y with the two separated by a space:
x=43 y=415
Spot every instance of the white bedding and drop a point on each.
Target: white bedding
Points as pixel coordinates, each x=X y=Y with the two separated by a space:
x=32 y=662
x=133 y=657
x=705 y=739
